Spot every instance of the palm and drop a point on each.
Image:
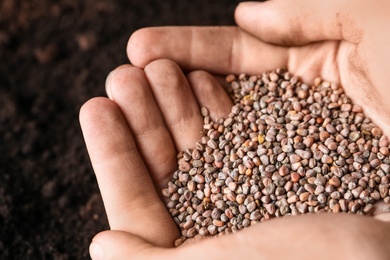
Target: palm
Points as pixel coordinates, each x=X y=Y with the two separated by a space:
x=338 y=62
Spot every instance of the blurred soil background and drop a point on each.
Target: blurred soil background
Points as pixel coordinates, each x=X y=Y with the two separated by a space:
x=54 y=56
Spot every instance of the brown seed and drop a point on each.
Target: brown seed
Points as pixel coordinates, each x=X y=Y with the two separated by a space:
x=324 y=135
x=335 y=195
x=297 y=106
x=322 y=198
x=270 y=189
x=355 y=207
x=309 y=188
x=330 y=129
x=204 y=111
x=354 y=136
x=280 y=191
x=198 y=179
x=218 y=223
x=245 y=222
x=188 y=195
x=283 y=170
x=319 y=190
x=240 y=198
x=323 y=149
x=375 y=163
x=229 y=213
x=375 y=195
x=336 y=208
x=295 y=177
x=294 y=158
x=308 y=141
x=212 y=144
x=326 y=159
x=189 y=224
x=346 y=107
x=242 y=209
x=304 y=196
x=384 y=150
x=303 y=208
x=230 y=78
x=348 y=196
x=332 y=146
x=255 y=215
x=184 y=166
x=335 y=181
x=383 y=142
x=376 y=132
x=288 y=186
x=228 y=122
x=296 y=166
x=212 y=229
x=383 y=190
x=302 y=94
x=251 y=206
x=179 y=241
x=293 y=199
x=220 y=204
x=303 y=154
x=296 y=116
x=273 y=76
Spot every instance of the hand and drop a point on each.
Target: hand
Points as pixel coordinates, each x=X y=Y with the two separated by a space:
x=213 y=49
x=132 y=140
x=341 y=41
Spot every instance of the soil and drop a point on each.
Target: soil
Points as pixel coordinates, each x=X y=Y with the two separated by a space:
x=54 y=56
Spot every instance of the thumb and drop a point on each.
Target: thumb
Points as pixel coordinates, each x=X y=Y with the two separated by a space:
x=120 y=245
x=297 y=22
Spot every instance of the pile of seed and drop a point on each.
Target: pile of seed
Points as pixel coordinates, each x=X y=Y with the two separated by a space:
x=286 y=148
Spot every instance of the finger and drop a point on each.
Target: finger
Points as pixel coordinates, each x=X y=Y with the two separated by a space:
x=210 y=94
x=130 y=199
x=129 y=88
x=297 y=22
x=220 y=50
x=176 y=101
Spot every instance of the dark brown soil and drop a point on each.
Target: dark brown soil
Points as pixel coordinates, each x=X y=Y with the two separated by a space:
x=54 y=56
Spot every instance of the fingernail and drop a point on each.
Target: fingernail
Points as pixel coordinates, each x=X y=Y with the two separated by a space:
x=108 y=90
x=96 y=251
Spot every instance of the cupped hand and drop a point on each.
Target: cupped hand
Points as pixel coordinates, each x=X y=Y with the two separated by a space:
x=134 y=136
x=133 y=158
x=342 y=41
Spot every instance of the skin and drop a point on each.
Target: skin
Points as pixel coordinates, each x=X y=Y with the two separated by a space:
x=153 y=112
